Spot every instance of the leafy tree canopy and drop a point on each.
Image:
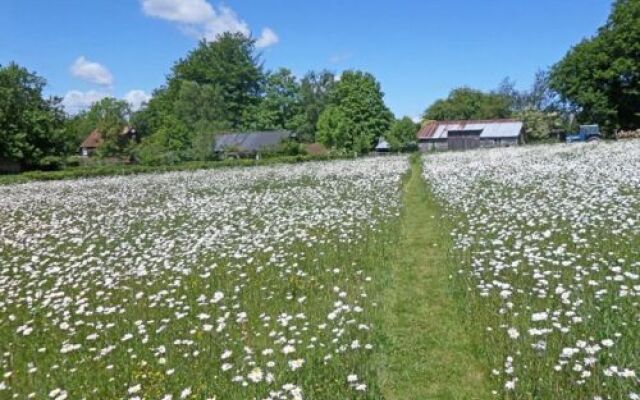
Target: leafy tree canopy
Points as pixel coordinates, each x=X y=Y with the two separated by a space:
x=279 y=105
x=402 y=133
x=230 y=65
x=313 y=97
x=467 y=103
x=539 y=125
x=31 y=127
x=601 y=75
x=356 y=114
x=210 y=90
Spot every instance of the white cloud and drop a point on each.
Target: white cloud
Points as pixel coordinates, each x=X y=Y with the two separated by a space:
x=183 y=11
x=91 y=72
x=417 y=119
x=137 y=98
x=339 y=58
x=75 y=101
x=198 y=18
x=226 y=20
x=267 y=38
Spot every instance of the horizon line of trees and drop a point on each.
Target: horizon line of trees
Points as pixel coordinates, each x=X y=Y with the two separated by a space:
x=222 y=86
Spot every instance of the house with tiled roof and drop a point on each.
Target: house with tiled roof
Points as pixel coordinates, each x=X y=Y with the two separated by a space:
x=91 y=144
x=95 y=139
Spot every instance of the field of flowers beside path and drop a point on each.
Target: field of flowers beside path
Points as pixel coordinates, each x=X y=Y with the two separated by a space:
x=547 y=250
x=430 y=351
x=255 y=283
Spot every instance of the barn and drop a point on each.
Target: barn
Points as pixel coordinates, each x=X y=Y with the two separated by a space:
x=470 y=134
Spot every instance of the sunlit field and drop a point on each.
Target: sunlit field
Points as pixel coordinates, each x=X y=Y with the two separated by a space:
x=547 y=259
x=252 y=283
x=314 y=281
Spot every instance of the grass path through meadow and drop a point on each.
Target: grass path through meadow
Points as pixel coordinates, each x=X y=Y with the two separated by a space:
x=430 y=355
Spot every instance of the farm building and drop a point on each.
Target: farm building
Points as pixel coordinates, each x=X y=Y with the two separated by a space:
x=249 y=144
x=95 y=140
x=91 y=144
x=383 y=146
x=470 y=134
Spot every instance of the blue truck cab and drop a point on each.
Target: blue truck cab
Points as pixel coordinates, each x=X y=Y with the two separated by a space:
x=587 y=133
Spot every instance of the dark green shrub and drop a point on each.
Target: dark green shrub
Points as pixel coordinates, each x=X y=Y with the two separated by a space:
x=51 y=163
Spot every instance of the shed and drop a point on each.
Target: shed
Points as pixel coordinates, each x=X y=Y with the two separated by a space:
x=470 y=134
x=91 y=144
x=382 y=146
x=247 y=144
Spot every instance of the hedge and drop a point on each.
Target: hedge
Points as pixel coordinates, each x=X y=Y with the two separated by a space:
x=119 y=170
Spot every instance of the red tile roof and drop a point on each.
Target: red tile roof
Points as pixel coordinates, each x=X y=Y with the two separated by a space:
x=93 y=141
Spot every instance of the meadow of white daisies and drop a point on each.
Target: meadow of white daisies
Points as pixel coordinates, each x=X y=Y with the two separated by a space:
x=255 y=283
x=547 y=257
x=268 y=282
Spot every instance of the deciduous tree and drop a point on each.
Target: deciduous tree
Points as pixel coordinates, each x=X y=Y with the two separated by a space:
x=467 y=103
x=402 y=134
x=31 y=127
x=357 y=114
x=601 y=75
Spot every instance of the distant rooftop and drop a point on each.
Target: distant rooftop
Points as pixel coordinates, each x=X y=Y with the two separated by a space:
x=492 y=128
x=250 y=142
x=93 y=141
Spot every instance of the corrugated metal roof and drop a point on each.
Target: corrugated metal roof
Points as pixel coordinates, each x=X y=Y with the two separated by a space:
x=250 y=141
x=504 y=128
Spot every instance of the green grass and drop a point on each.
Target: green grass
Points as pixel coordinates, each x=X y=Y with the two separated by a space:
x=430 y=354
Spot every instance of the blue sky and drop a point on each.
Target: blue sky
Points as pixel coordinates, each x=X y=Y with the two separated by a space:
x=419 y=50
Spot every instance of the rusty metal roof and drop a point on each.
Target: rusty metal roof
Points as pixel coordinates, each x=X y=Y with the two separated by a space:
x=495 y=128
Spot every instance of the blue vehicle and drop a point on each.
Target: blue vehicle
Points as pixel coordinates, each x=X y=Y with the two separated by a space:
x=588 y=133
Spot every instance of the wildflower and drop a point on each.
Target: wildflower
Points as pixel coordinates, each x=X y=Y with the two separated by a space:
x=185 y=393
x=295 y=364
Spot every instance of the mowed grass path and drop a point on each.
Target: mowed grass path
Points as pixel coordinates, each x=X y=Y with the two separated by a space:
x=430 y=354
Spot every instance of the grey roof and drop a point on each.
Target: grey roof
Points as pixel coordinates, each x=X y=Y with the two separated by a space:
x=250 y=142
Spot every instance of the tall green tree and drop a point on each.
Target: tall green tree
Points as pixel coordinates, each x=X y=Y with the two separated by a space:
x=601 y=75
x=356 y=114
x=109 y=116
x=167 y=145
x=335 y=129
x=231 y=65
x=402 y=134
x=314 y=91
x=210 y=90
x=467 y=103
x=31 y=127
x=279 y=105
x=539 y=107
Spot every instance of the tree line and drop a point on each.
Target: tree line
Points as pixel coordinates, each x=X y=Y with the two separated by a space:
x=222 y=86
x=597 y=81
